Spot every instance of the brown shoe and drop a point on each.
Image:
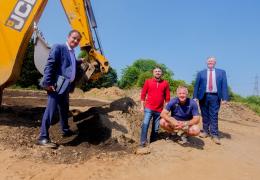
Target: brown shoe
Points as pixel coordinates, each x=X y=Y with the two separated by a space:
x=203 y=135
x=216 y=140
x=143 y=150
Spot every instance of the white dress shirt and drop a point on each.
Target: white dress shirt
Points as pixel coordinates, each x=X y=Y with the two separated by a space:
x=73 y=62
x=214 y=82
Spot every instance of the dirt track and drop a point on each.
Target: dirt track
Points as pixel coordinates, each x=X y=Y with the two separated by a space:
x=108 y=132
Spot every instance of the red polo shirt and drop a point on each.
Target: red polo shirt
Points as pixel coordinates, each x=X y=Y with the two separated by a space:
x=155 y=93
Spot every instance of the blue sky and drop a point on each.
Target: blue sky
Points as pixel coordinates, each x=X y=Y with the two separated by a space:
x=178 y=33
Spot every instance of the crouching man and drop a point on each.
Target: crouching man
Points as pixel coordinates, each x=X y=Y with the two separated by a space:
x=181 y=116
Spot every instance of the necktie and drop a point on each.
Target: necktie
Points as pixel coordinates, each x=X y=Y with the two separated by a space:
x=210 y=81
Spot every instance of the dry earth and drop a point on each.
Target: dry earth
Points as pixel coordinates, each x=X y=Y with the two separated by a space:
x=107 y=123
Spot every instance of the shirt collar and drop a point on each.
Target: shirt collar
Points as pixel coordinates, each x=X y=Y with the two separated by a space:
x=212 y=69
x=156 y=80
x=186 y=102
x=70 y=49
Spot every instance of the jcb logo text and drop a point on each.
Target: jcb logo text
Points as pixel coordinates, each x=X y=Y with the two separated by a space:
x=20 y=14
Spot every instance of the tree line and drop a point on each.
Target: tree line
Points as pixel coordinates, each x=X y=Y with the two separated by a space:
x=132 y=76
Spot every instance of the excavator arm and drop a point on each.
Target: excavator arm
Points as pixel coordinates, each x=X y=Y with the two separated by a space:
x=80 y=16
x=17 y=19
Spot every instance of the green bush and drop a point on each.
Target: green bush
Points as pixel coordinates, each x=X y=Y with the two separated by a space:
x=136 y=74
x=254 y=107
x=144 y=65
x=129 y=77
x=253 y=102
x=141 y=79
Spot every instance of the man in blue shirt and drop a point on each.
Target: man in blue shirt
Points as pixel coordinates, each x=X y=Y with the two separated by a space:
x=184 y=118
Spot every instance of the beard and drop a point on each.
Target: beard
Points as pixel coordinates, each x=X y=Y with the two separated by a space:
x=157 y=78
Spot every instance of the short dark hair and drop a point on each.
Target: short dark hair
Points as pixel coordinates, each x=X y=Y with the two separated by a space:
x=75 y=31
x=157 y=67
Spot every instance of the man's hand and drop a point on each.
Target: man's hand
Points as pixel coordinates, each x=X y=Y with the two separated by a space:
x=142 y=108
x=180 y=125
x=176 y=124
x=50 y=89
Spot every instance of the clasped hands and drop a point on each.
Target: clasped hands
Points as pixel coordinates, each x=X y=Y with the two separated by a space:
x=177 y=124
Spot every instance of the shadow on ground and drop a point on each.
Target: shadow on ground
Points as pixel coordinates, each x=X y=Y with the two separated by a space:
x=224 y=135
x=94 y=125
x=194 y=142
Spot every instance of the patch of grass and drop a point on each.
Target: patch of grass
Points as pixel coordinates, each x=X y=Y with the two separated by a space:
x=254 y=107
x=253 y=102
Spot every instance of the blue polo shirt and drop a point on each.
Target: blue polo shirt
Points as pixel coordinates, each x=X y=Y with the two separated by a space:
x=183 y=112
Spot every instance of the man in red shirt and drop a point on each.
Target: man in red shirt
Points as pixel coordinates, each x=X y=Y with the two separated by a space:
x=155 y=93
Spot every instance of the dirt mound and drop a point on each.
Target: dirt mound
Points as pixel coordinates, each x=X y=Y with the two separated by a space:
x=109 y=129
x=107 y=133
x=237 y=111
x=111 y=93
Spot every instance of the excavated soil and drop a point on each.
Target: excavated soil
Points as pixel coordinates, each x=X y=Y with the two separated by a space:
x=103 y=128
x=107 y=134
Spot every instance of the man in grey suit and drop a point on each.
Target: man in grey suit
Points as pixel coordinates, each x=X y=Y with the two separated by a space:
x=58 y=80
x=211 y=90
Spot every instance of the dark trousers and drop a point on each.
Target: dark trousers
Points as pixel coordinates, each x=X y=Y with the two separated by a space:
x=209 y=106
x=55 y=102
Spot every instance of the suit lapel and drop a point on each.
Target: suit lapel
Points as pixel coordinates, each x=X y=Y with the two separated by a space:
x=67 y=54
x=204 y=74
x=218 y=75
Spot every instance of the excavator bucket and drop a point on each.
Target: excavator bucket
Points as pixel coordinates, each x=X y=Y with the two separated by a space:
x=41 y=52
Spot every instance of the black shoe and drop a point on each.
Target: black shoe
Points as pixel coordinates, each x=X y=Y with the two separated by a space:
x=172 y=137
x=46 y=143
x=68 y=133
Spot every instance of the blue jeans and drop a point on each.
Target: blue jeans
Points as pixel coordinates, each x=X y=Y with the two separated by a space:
x=148 y=115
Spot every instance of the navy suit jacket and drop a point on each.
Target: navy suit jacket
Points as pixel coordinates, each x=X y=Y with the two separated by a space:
x=58 y=63
x=201 y=84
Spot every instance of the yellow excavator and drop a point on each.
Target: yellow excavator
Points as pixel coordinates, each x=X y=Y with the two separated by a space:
x=17 y=25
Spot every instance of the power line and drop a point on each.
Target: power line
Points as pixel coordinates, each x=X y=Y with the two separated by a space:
x=256 y=86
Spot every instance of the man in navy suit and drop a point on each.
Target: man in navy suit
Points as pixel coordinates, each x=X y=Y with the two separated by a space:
x=58 y=80
x=211 y=90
